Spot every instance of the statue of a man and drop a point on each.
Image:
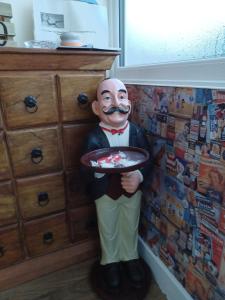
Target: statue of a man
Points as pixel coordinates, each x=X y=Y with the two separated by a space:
x=117 y=212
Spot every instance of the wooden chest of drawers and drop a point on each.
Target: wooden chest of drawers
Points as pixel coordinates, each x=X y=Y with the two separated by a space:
x=45 y=113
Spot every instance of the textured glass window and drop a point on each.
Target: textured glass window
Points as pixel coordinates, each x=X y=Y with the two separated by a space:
x=159 y=31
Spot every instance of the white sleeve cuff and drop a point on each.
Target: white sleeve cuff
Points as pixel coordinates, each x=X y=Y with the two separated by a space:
x=99 y=175
x=141 y=176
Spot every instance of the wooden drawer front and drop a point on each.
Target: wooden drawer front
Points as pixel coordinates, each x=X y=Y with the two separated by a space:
x=4 y=162
x=74 y=136
x=34 y=151
x=7 y=204
x=46 y=234
x=28 y=100
x=10 y=247
x=77 y=195
x=41 y=195
x=83 y=223
x=75 y=90
x=1 y=123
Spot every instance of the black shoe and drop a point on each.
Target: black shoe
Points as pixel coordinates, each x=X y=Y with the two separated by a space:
x=111 y=276
x=135 y=272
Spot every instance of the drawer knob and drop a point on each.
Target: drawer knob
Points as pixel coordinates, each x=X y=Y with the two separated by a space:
x=2 y=251
x=83 y=100
x=36 y=156
x=48 y=238
x=31 y=104
x=43 y=199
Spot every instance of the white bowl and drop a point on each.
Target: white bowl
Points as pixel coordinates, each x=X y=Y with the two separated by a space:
x=70 y=39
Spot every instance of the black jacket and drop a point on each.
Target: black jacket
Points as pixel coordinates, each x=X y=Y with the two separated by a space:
x=96 y=139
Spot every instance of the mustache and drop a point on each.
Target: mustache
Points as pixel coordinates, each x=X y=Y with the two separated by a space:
x=121 y=109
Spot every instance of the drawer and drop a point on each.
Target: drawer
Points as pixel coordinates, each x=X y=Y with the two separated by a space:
x=10 y=246
x=77 y=93
x=73 y=136
x=45 y=235
x=34 y=151
x=28 y=100
x=83 y=223
x=8 y=213
x=41 y=195
x=1 y=122
x=4 y=162
x=77 y=195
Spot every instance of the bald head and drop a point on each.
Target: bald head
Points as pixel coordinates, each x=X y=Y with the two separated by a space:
x=113 y=106
x=110 y=85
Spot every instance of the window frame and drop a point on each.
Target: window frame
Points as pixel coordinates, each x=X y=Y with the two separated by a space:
x=205 y=73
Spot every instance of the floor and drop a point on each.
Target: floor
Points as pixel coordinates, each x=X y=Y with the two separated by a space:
x=67 y=284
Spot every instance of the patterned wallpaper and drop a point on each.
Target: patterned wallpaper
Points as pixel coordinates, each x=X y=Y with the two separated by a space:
x=183 y=211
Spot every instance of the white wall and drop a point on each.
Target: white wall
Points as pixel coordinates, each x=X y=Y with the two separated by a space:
x=23 y=19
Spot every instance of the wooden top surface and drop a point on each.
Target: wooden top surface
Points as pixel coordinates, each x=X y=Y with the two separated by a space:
x=53 y=59
x=70 y=51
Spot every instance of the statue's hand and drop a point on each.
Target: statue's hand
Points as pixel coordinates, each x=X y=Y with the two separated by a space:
x=131 y=180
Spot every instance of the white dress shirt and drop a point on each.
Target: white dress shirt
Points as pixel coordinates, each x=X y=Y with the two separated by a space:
x=118 y=139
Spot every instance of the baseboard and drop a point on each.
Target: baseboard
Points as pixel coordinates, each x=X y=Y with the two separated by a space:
x=168 y=284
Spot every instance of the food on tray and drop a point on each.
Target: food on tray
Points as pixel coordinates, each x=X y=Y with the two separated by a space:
x=115 y=160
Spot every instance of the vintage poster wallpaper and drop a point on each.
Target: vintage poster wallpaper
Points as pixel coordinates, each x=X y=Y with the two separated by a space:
x=183 y=211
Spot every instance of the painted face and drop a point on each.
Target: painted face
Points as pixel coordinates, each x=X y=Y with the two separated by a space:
x=112 y=106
